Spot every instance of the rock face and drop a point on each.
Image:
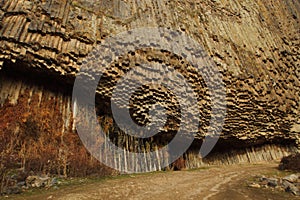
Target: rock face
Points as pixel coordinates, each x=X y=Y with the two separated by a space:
x=255 y=45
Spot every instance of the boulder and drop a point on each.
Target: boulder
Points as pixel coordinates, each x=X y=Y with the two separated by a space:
x=13 y=190
x=293 y=178
x=255 y=185
x=289 y=187
x=272 y=182
x=37 y=181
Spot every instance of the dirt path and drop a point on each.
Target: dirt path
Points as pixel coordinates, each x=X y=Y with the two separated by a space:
x=227 y=182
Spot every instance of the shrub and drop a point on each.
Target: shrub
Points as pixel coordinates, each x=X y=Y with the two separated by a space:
x=291 y=162
x=178 y=164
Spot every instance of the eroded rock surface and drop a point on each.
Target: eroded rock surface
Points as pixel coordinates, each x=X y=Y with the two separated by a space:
x=255 y=46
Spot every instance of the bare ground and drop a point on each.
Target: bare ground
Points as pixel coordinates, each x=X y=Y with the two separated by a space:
x=213 y=183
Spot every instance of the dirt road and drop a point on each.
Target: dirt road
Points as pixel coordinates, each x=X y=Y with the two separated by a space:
x=226 y=182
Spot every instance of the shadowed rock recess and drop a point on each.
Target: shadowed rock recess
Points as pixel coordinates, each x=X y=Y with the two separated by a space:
x=254 y=44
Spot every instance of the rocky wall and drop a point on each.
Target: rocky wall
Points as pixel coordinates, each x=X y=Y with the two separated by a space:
x=255 y=46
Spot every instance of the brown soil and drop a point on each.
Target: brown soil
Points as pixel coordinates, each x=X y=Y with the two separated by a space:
x=216 y=183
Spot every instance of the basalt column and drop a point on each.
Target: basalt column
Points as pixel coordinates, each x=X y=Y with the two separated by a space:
x=254 y=45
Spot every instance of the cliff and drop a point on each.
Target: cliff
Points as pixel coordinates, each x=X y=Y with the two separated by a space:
x=255 y=45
